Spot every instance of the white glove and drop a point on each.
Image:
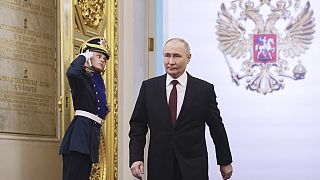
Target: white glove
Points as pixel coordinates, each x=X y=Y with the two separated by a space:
x=88 y=54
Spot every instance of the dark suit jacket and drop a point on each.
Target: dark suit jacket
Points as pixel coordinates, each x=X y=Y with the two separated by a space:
x=186 y=139
x=88 y=94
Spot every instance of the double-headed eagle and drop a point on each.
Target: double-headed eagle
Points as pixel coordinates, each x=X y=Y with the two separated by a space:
x=266 y=49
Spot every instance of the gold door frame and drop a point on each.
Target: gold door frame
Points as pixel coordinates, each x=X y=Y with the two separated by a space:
x=76 y=25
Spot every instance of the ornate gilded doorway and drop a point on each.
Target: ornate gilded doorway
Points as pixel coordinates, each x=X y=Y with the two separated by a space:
x=80 y=20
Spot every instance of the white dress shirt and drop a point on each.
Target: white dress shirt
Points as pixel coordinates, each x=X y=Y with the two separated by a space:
x=181 y=89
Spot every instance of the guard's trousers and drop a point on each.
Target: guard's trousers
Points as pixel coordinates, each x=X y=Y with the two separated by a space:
x=76 y=166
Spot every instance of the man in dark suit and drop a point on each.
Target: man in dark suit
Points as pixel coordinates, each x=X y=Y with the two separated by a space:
x=176 y=107
x=80 y=145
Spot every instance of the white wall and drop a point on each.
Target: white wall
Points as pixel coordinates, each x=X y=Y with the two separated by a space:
x=272 y=137
x=133 y=69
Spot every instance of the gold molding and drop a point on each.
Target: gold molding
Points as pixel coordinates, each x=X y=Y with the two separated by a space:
x=110 y=128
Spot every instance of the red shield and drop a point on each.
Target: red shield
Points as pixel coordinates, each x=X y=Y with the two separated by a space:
x=264 y=48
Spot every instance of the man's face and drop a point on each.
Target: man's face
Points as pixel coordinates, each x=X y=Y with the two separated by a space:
x=98 y=61
x=176 y=58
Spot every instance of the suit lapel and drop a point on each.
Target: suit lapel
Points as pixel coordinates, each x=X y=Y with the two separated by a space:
x=163 y=92
x=162 y=98
x=188 y=96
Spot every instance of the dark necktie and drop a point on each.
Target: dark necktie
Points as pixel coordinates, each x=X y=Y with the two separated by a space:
x=173 y=101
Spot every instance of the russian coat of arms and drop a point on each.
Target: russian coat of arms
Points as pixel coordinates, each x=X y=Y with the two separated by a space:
x=281 y=31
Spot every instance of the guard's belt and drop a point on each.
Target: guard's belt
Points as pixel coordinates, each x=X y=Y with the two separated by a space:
x=88 y=115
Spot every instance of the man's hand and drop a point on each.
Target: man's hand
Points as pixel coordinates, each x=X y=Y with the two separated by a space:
x=226 y=171
x=137 y=169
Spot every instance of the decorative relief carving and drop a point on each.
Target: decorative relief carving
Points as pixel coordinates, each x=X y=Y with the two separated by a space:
x=92 y=12
x=116 y=95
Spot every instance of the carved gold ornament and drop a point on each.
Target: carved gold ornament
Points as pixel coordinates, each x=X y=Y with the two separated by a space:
x=92 y=12
x=281 y=31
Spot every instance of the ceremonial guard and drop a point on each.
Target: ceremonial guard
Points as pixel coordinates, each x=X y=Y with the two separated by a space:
x=80 y=145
